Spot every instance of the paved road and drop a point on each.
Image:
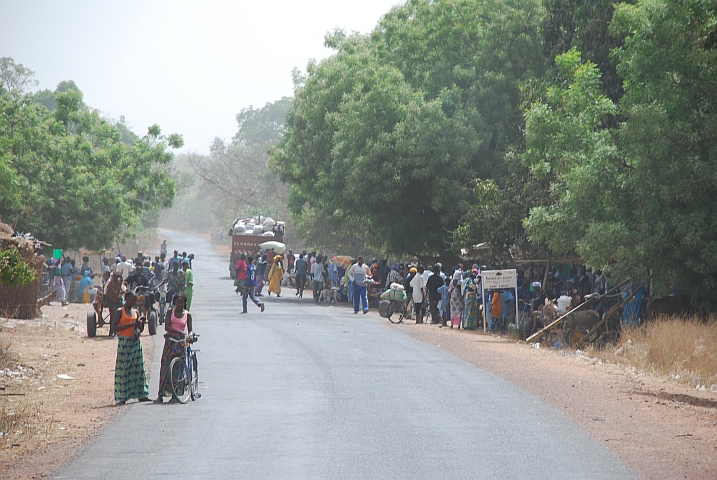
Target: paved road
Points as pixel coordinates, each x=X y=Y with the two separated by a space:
x=307 y=391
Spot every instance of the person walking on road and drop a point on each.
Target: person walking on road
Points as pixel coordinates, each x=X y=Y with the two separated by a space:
x=177 y=321
x=358 y=274
x=249 y=284
x=301 y=270
x=240 y=274
x=317 y=271
x=435 y=281
x=418 y=284
x=276 y=274
x=188 y=282
x=125 y=268
x=130 y=376
x=261 y=264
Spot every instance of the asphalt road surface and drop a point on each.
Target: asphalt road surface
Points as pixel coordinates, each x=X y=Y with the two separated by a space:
x=312 y=391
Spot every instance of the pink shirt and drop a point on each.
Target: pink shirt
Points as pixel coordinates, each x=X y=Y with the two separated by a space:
x=179 y=324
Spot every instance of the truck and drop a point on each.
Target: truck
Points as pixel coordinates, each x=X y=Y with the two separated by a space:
x=248 y=233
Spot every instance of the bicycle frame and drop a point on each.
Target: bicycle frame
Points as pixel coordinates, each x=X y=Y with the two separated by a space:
x=184 y=372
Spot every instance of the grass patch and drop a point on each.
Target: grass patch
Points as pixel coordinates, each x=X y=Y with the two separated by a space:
x=15 y=414
x=683 y=349
x=7 y=359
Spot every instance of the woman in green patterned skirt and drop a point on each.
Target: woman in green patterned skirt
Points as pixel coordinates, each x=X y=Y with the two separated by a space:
x=130 y=376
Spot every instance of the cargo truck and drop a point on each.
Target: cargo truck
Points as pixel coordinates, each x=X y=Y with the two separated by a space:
x=248 y=233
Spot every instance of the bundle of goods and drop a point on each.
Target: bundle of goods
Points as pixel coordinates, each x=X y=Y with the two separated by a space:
x=395 y=293
x=257 y=226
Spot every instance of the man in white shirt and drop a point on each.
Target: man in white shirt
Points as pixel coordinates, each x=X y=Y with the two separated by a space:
x=419 y=294
x=427 y=273
x=125 y=267
x=317 y=270
x=358 y=274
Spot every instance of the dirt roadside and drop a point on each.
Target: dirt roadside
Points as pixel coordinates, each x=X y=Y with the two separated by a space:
x=661 y=430
x=58 y=391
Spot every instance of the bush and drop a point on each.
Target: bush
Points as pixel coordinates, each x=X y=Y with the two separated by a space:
x=680 y=348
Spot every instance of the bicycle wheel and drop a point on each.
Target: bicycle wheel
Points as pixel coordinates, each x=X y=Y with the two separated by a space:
x=395 y=312
x=180 y=380
x=195 y=378
x=194 y=381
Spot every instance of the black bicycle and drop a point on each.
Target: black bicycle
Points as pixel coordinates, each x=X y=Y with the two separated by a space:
x=393 y=310
x=185 y=371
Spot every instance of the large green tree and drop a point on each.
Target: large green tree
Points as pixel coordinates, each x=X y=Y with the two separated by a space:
x=387 y=134
x=73 y=182
x=634 y=188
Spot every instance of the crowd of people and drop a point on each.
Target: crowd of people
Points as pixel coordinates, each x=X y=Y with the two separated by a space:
x=121 y=278
x=444 y=296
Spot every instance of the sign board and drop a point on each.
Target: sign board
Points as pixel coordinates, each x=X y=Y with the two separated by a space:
x=492 y=279
x=498 y=279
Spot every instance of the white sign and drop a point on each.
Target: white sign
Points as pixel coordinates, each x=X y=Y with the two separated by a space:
x=498 y=279
x=492 y=279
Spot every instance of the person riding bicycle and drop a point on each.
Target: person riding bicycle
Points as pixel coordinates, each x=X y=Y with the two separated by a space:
x=177 y=321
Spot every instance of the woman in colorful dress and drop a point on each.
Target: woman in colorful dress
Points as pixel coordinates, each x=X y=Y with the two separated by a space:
x=469 y=290
x=177 y=322
x=456 y=305
x=276 y=274
x=130 y=376
x=175 y=280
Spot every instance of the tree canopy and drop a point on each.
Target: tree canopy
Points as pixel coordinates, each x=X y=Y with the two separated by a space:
x=385 y=136
x=67 y=176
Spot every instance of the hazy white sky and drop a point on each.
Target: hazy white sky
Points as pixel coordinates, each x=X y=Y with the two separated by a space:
x=189 y=66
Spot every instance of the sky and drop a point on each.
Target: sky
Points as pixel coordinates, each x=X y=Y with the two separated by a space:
x=189 y=66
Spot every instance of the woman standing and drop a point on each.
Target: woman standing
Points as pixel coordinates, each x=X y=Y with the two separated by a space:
x=276 y=274
x=130 y=377
x=456 y=304
x=112 y=299
x=188 y=284
x=175 y=281
x=177 y=321
x=469 y=290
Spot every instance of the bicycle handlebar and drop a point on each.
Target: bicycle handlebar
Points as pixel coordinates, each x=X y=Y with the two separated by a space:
x=191 y=339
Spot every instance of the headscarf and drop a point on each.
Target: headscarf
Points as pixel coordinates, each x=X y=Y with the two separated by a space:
x=277 y=258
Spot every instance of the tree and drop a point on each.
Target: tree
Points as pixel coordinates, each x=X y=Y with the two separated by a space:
x=74 y=183
x=14 y=76
x=47 y=97
x=583 y=25
x=632 y=187
x=264 y=125
x=235 y=177
x=389 y=131
x=238 y=181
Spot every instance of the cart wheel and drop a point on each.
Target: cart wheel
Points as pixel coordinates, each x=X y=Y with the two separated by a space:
x=162 y=312
x=383 y=309
x=152 y=322
x=91 y=324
